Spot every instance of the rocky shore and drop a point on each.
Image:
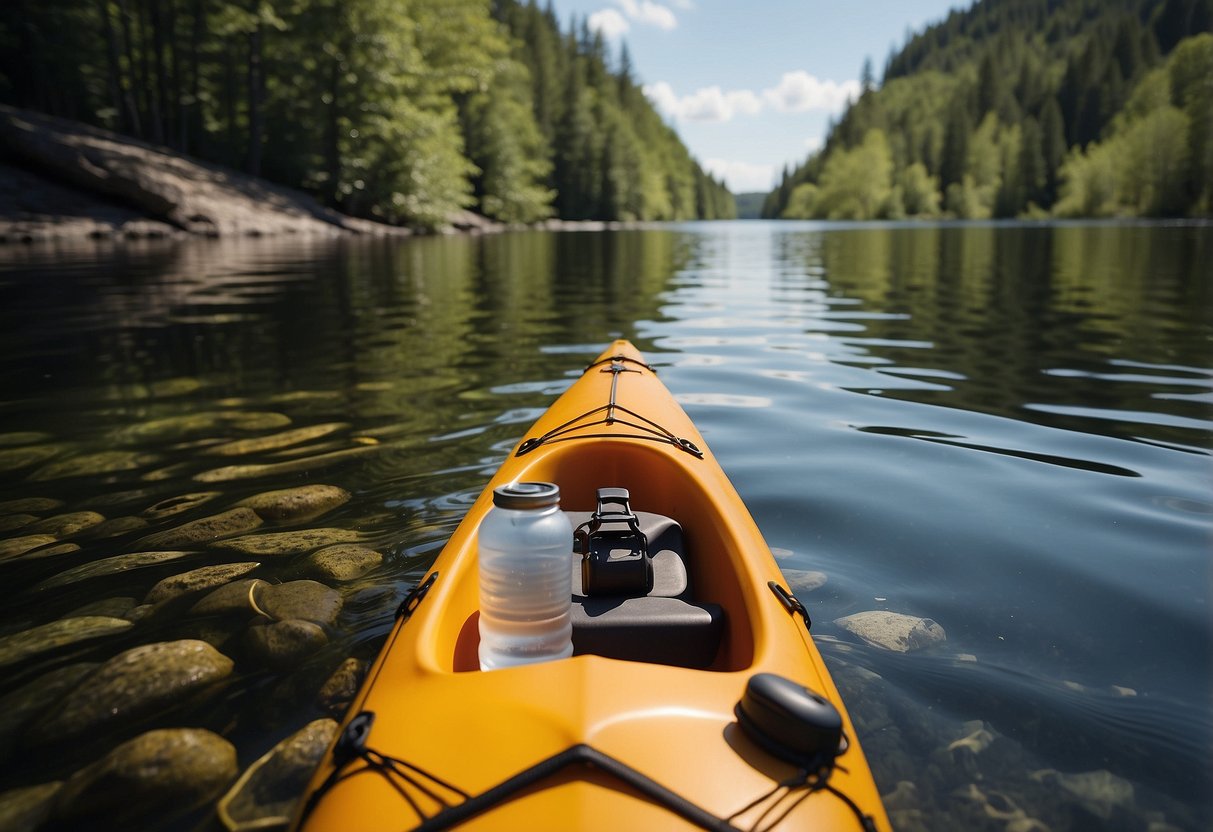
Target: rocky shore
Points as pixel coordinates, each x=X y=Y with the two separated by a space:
x=61 y=179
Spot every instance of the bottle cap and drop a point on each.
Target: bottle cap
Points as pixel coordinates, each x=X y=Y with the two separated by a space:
x=526 y=495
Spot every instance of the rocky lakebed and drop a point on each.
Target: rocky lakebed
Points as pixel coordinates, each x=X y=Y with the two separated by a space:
x=195 y=597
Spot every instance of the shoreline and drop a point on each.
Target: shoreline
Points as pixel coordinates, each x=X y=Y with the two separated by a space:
x=62 y=180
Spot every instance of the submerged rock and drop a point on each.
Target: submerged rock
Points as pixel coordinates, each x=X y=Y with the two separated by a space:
x=109 y=566
x=276 y=441
x=16 y=546
x=56 y=635
x=1101 y=793
x=115 y=527
x=176 y=505
x=32 y=505
x=149 y=780
x=340 y=689
x=22 y=706
x=51 y=551
x=176 y=428
x=343 y=562
x=964 y=751
x=131 y=686
x=297 y=505
x=26 y=809
x=13 y=522
x=14 y=459
x=266 y=794
x=803 y=580
x=231 y=599
x=91 y=465
x=893 y=631
x=287 y=543
x=66 y=525
x=279 y=469
x=168 y=472
x=1002 y=809
x=283 y=644
x=307 y=600
x=197 y=581
x=976 y=740
x=112 y=607
x=205 y=530
x=904 y=796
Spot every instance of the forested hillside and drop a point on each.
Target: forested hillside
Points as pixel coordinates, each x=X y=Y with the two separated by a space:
x=1027 y=108
x=398 y=110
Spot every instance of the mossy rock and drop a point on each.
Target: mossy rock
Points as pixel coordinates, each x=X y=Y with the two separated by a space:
x=343 y=562
x=148 y=781
x=205 y=530
x=197 y=581
x=131 y=686
x=287 y=543
x=57 y=635
x=297 y=505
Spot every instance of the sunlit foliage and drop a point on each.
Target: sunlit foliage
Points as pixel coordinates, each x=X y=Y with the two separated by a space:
x=404 y=111
x=1019 y=108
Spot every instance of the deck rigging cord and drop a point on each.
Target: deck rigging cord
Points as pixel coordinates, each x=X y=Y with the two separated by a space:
x=461 y=806
x=648 y=429
x=456 y=805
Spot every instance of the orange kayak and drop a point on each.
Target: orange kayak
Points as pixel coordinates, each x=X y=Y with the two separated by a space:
x=696 y=701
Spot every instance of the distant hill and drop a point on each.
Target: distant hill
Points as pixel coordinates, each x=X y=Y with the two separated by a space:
x=749 y=206
x=1026 y=108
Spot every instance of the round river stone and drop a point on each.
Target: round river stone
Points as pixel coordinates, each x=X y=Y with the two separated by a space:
x=133 y=685
x=148 y=780
x=893 y=630
x=297 y=505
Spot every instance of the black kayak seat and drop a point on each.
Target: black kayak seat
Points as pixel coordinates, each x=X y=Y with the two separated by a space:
x=665 y=626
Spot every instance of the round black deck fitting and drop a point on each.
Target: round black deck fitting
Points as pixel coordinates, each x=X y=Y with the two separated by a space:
x=790 y=721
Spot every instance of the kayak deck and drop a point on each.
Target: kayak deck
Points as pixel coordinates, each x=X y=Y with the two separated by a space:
x=593 y=736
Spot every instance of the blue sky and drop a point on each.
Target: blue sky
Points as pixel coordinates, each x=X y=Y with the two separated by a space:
x=751 y=86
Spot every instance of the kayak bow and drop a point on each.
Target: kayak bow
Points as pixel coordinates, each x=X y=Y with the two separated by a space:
x=683 y=707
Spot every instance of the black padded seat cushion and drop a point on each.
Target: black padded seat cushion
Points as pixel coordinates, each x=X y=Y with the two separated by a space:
x=667 y=626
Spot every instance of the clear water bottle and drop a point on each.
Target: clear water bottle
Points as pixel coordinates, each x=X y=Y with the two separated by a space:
x=526 y=579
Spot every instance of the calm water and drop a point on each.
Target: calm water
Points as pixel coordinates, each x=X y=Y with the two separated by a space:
x=1004 y=429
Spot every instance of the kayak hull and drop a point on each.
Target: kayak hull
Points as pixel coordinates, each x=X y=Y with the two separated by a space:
x=469 y=730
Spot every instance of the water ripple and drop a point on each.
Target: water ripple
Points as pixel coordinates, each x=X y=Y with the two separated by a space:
x=957 y=442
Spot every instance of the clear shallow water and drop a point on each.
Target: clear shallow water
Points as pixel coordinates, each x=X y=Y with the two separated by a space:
x=1005 y=429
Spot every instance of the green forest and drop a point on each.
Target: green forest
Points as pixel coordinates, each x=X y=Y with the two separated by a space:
x=1026 y=108
x=403 y=111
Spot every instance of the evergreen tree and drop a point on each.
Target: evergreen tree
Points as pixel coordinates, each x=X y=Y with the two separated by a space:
x=1052 y=148
x=990 y=99
x=401 y=110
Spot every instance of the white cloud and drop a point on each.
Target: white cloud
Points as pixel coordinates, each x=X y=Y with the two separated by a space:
x=714 y=104
x=663 y=97
x=814 y=143
x=646 y=11
x=799 y=91
x=613 y=22
x=707 y=104
x=685 y=5
x=610 y=22
x=742 y=177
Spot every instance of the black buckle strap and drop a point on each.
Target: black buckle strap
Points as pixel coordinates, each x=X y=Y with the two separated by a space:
x=615 y=557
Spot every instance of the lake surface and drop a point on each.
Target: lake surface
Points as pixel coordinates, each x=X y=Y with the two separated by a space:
x=1005 y=429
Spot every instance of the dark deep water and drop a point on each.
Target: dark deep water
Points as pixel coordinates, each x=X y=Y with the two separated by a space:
x=1005 y=429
